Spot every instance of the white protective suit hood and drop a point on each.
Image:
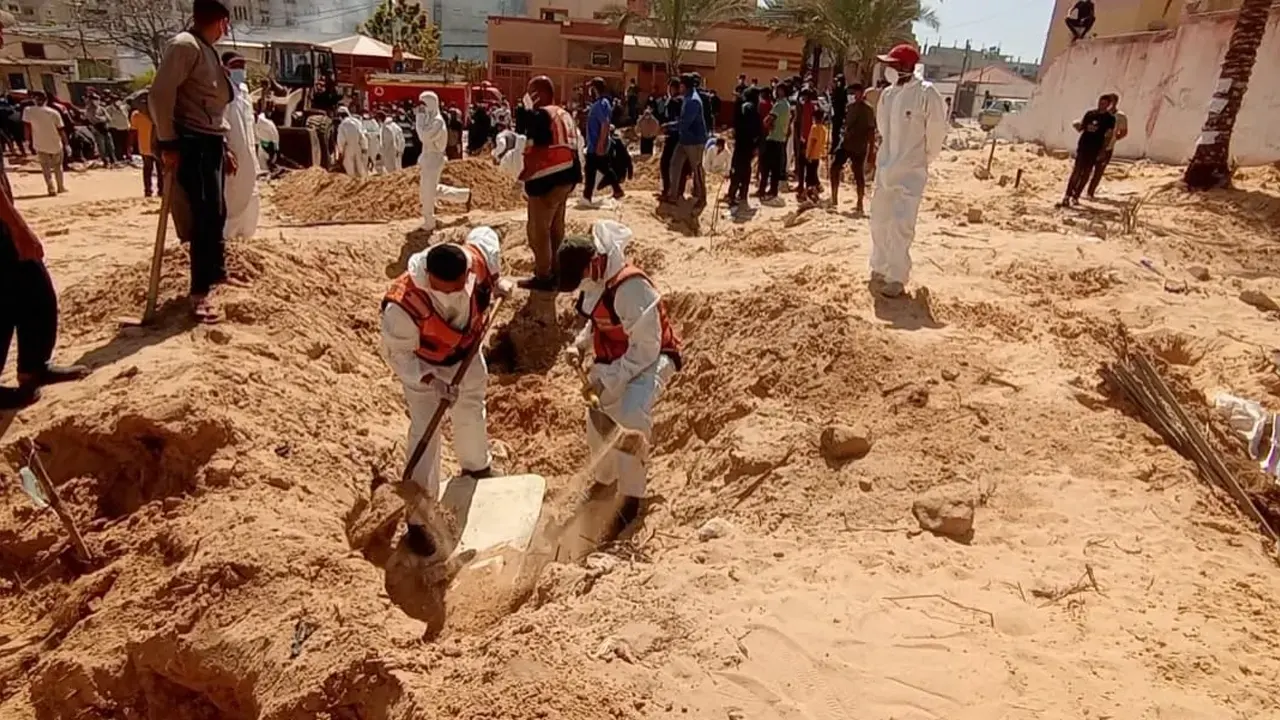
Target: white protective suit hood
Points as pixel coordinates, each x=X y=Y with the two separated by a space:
x=430 y=103
x=454 y=307
x=611 y=240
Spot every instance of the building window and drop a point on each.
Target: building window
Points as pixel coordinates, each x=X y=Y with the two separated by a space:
x=240 y=13
x=600 y=59
x=509 y=58
x=17 y=81
x=553 y=14
x=33 y=50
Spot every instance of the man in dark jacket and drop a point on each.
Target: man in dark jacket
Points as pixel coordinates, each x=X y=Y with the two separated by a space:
x=748 y=131
x=671 y=139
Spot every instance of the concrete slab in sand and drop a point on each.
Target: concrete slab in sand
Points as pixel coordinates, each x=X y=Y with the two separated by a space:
x=495 y=513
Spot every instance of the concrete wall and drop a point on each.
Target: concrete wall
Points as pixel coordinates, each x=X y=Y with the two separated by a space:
x=1123 y=17
x=1165 y=81
x=576 y=9
x=540 y=39
x=744 y=49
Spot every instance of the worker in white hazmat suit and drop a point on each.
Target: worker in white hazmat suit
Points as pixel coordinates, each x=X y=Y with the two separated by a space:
x=352 y=143
x=240 y=189
x=392 y=143
x=434 y=135
x=912 y=120
x=373 y=140
x=432 y=316
x=634 y=347
x=716 y=158
x=268 y=136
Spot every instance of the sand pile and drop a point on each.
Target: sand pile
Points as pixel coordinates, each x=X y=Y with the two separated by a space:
x=315 y=195
x=214 y=471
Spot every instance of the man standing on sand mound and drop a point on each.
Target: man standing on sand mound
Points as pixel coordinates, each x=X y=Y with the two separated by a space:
x=434 y=134
x=912 y=119
x=635 y=350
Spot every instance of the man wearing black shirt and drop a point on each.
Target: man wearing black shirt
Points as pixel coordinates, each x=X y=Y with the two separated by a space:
x=1093 y=129
x=1080 y=19
x=839 y=106
x=748 y=130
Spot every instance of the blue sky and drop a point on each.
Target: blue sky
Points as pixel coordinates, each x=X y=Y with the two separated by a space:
x=1017 y=26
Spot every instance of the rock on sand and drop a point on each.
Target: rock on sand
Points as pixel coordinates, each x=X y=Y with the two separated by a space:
x=845 y=442
x=947 y=511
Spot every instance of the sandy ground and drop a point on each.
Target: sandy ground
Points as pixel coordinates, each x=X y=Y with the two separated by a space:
x=217 y=472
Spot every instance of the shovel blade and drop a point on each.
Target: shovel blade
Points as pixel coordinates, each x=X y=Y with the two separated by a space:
x=601 y=421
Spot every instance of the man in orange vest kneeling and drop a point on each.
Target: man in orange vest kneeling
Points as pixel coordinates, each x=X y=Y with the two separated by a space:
x=432 y=316
x=636 y=351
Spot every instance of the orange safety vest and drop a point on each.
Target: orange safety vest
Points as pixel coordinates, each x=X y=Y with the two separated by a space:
x=609 y=338
x=438 y=342
x=544 y=160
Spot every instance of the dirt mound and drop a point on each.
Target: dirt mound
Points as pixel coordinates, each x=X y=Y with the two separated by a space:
x=648 y=172
x=213 y=472
x=314 y=195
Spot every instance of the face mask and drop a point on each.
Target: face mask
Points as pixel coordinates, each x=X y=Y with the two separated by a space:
x=238 y=77
x=453 y=306
x=527 y=101
x=891 y=75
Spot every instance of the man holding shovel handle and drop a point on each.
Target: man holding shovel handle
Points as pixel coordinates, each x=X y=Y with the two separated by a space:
x=434 y=320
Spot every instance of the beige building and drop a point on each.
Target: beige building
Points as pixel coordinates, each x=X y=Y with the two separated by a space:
x=32 y=60
x=571 y=51
x=1126 y=17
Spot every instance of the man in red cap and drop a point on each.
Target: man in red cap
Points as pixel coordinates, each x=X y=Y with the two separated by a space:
x=912 y=120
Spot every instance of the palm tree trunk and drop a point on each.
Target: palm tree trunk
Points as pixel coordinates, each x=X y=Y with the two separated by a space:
x=1210 y=167
x=817 y=60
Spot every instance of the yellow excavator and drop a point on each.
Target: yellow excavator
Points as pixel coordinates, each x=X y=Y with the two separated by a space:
x=301 y=94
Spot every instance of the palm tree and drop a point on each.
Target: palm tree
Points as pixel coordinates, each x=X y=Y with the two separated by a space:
x=858 y=29
x=1209 y=167
x=674 y=25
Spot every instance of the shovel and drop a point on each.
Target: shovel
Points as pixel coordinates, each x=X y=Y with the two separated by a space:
x=157 y=255
x=630 y=442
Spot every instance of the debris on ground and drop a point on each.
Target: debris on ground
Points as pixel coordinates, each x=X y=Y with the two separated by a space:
x=845 y=442
x=947 y=511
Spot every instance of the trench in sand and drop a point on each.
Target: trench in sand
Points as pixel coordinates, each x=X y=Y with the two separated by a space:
x=135 y=480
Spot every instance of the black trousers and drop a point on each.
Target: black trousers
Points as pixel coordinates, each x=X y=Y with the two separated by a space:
x=668 y=152
x=601 y=164
x=1085 y=160
x=151 y=166
x=773 y=160
x=856 y=161
x=646 y=146
x=120 y=138
x=809 y=179
x=740 y=173
x=28 y=308
x=1099 y=167
x=200 y=178
x=1079 y=28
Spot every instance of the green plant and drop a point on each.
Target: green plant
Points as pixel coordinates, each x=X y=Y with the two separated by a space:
x=674 y=25
x=405 y=24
